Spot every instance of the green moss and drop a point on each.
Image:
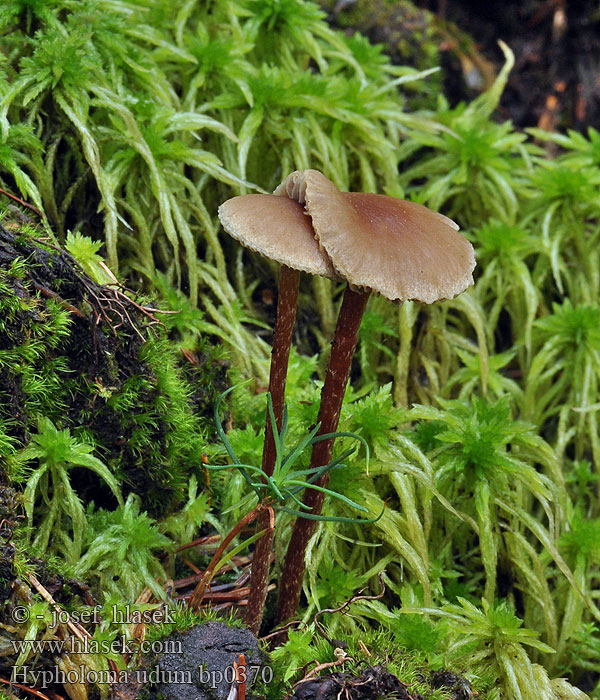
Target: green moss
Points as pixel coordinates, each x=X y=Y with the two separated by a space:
x=183 y=619
x=422 y=674
x=407 y=32
x=83 y=357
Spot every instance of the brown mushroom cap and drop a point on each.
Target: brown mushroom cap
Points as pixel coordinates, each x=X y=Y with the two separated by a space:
x=399 y=249
x=278 y=228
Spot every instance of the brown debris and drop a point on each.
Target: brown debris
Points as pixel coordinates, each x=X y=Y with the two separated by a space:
x=373 y=683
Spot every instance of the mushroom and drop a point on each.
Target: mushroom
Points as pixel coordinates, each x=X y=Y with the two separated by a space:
x=399 y=249
x=278 y=228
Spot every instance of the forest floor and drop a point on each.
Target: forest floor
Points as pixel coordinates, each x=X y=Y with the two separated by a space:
x=555 y=83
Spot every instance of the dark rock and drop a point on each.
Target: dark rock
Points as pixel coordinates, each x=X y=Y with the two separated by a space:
x=207 y=655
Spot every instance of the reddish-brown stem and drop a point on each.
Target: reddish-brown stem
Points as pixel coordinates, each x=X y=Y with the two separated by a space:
x=21 y=202
x=202 y=585
x=240 y=677
x=282 y=341
x=332 y=395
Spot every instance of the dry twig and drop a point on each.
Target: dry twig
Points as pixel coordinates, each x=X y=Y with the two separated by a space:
x=346 y=605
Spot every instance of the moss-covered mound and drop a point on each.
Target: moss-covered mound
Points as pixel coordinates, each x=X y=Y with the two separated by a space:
x=92 y=359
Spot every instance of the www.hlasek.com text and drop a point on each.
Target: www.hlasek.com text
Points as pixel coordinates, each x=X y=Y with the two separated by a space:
x=119 y=645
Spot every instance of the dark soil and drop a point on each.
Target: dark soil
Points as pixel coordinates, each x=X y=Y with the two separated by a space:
x=555 y=83
x=373 y=683
x=8 y=521
x=377 y=682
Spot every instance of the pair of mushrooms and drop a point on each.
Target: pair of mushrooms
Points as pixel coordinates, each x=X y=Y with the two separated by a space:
x=399 y=249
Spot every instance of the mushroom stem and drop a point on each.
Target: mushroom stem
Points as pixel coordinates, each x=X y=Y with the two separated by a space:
x=332 y=395
x=282 y=341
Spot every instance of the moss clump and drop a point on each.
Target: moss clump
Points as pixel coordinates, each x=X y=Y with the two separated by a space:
x=409 y=34
x=94 y=361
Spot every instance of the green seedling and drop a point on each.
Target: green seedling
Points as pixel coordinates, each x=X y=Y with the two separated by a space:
x=280 y=491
